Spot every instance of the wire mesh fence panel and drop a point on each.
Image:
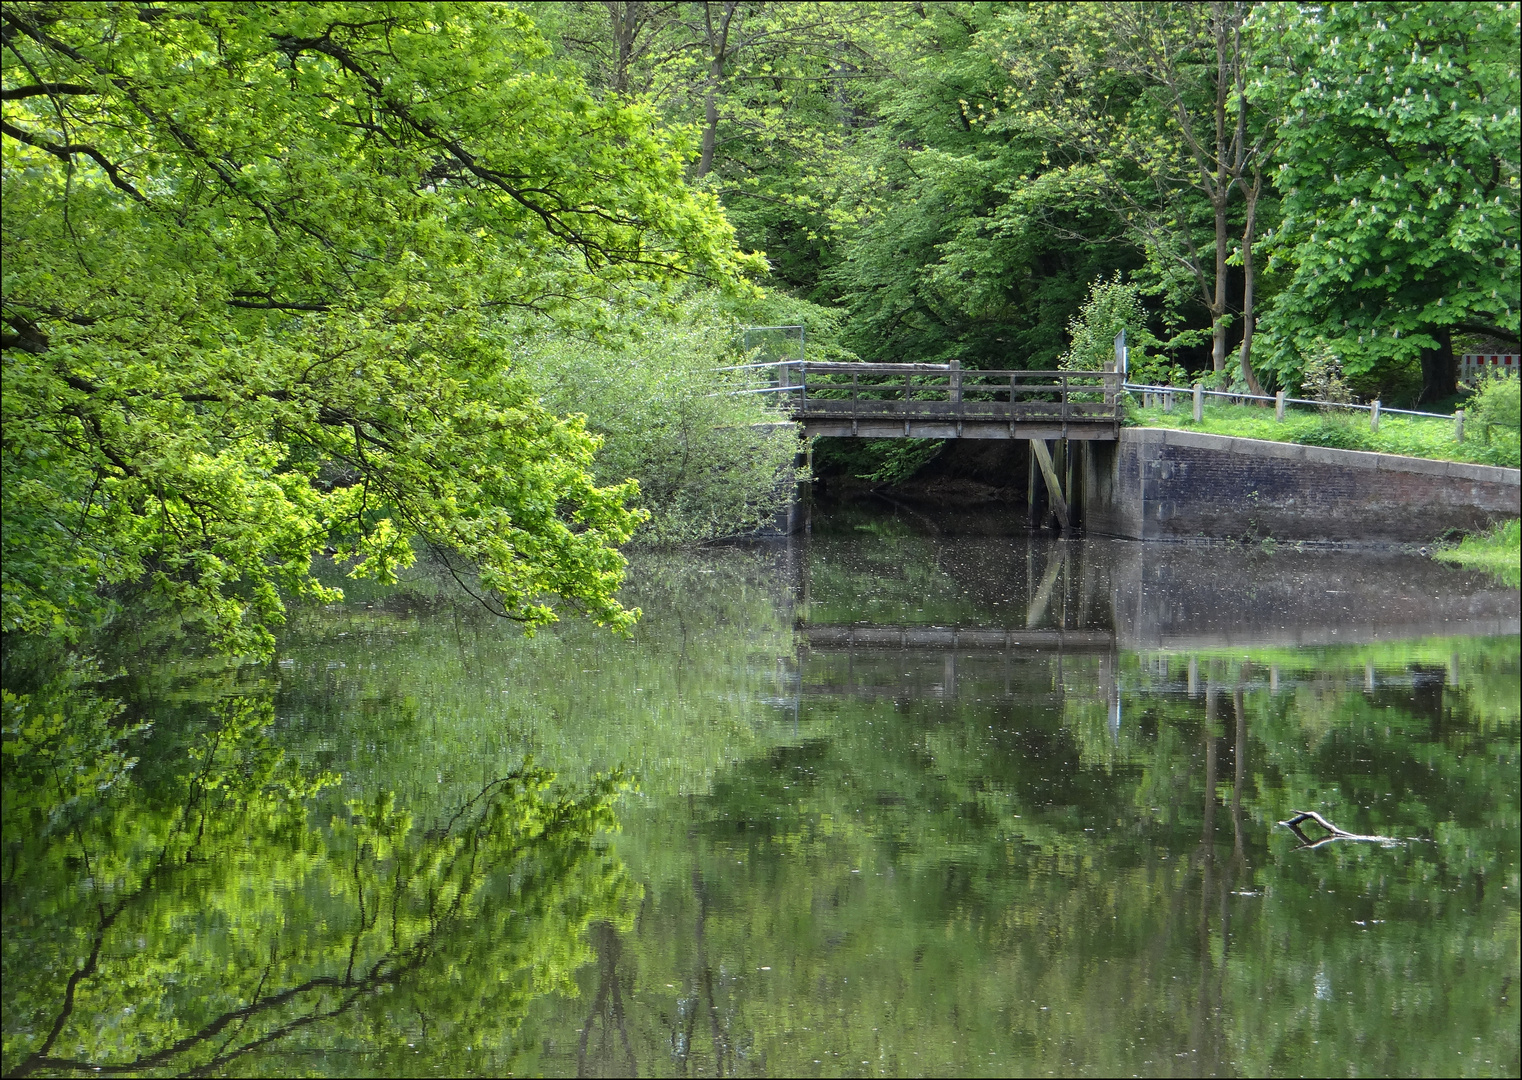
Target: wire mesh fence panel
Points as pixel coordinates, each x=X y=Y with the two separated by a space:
x=773 y=344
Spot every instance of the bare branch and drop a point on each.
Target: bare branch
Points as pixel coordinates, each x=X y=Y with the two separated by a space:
x=66 y=152
x=16 y=93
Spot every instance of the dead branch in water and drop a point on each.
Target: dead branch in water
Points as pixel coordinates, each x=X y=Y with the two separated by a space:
x=1333 y=832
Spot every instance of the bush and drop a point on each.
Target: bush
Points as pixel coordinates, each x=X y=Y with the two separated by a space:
x=1322 y=379
x=710 y=463
x=1498 y=401
x=1112 y=306
x=1338 y=434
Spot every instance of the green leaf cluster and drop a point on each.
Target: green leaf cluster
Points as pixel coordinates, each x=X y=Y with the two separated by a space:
x=680 y=413
x=1398 y=170
x=265 y=269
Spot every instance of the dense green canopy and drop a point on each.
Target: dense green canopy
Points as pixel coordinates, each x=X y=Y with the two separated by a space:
x=1399 y=169
x=956 y=176
x=262 y=270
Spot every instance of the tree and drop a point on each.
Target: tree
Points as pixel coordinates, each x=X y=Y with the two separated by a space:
x=939 y=256
x=713 y=458
x=1146 y=104
x=1113 y=307
x=263 y=269
x=1399 y=180
x=767 y=85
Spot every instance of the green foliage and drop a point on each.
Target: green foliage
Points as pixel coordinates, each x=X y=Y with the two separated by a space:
x=767 y=87
x=1338 y=433
x=1413 y=436
x=944 y=257
x=1498 y=400
x=1399 y=174
x=883 y=462
x=1321 y=375
x=1112 y=307
x=711 y=459
x=1497 y=551
x=1140 y=107
x=956 y=175
x=902 y=458
x=263 y=301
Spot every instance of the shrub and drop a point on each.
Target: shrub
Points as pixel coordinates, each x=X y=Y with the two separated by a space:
x=1112 y=306
x=710 y=462
x=1339 y=435
x=1322 y=379
x=1498 y=401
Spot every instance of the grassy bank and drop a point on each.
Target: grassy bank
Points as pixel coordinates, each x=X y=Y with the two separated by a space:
x=1410 y=435
x=1497 y=552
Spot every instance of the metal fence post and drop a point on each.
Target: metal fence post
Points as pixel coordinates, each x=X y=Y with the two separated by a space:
x=1199 y=402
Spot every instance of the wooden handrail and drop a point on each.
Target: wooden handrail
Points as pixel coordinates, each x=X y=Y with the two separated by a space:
x=941 y=392
x=830 y=367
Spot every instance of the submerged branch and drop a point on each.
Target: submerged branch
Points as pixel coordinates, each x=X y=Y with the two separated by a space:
x=1333 y=832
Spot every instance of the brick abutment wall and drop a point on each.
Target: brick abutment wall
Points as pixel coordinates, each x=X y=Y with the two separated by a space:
x=1163 y=484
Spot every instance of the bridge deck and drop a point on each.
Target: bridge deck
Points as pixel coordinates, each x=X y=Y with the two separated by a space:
x=946 y=401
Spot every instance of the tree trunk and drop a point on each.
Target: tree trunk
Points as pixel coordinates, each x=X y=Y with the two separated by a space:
x=1217 y=303
x=1251 y=195
x=718 y=46
x=627 y=19
x=1440 y=375
x=710 y=127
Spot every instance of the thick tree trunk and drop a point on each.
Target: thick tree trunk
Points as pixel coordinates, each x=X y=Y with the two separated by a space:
x=1440 y=374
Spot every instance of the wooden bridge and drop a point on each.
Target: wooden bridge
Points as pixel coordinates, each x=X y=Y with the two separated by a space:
x=946 y=401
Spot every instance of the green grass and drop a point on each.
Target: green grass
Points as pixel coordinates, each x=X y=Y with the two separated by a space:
x=1410 y=435
x=1497 y=552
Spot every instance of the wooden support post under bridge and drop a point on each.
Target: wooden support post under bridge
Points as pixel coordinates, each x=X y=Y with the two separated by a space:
x=1053 y=487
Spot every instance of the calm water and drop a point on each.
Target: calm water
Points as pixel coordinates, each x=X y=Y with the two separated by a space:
x=906 y=797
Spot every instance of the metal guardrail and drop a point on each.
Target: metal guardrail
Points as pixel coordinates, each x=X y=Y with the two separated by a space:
x=1276 y=399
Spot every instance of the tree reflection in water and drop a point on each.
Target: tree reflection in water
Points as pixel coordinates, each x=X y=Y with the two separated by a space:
x=181 y=919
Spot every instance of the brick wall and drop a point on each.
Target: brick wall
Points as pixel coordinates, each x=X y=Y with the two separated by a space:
x=1160 y=484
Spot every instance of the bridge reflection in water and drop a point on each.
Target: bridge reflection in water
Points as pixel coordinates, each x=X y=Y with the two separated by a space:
x=1003 y=603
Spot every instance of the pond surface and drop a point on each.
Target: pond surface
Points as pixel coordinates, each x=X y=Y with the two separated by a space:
x=907 y=796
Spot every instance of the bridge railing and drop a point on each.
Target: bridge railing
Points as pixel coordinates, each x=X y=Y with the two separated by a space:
x=860 y=391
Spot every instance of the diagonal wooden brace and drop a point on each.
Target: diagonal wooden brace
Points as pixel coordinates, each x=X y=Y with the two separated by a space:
x=1053 y=488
